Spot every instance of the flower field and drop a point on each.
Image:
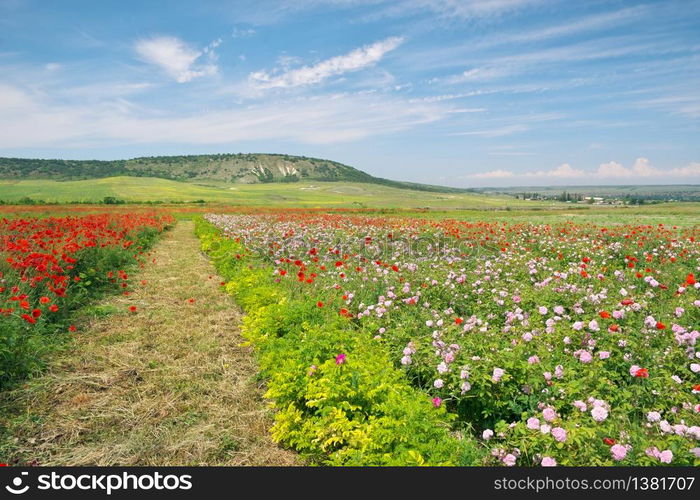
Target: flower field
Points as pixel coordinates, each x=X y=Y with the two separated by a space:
x=52 y=266
x=408 y=341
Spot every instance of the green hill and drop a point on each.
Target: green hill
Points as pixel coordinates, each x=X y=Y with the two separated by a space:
x=239 y=168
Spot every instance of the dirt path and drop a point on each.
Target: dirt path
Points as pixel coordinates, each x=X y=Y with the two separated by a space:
x=166 y=385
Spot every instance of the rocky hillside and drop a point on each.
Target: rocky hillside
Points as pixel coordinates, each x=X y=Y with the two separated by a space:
x=235 y=168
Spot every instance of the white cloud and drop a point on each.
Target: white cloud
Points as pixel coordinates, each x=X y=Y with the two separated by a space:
x=641 y=170
x=176 y=58
x=53 y=66
x=493 y=174
x=563 y=171
x=308 y=75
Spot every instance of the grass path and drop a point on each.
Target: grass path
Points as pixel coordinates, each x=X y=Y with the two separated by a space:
x=167 y=385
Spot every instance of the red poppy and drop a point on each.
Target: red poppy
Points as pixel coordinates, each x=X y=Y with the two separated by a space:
x=72 y=328
x=609 y=441
x=642 y=373
x=604 y=314
x=319 y=304
x=458 y=321
x=132 y=308
x=53 y=308
x=44 y=300
x=36 y=313
x=660 y=325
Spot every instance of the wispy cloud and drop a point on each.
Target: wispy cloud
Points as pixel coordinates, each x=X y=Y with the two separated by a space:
x=449 y=9
x=242 y=32
x=495 y=132
x=177 y=58
x=687 y=104
x=31 y=121
x=307 y=75
x=582 y=25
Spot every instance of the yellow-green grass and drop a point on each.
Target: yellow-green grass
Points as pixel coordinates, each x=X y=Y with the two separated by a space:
x=297 y=194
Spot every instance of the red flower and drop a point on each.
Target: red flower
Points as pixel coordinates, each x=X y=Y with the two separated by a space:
x=660 y=325
x=72 y=328
x=609 y=441
x=458 y=321
x=395 y=268
x=28 y=319
x=53 y=308
x=604 y=314
x=44 y=300
x=36 y=313
x=132 y=308
x=319 y=303
x=642 y=373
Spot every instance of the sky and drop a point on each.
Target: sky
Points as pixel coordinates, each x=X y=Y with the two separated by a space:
x=466 y=93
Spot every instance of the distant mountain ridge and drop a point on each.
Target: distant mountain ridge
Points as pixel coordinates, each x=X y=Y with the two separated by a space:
x=239 y=168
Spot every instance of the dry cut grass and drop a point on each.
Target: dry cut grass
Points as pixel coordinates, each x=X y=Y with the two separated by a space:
x=167 y=385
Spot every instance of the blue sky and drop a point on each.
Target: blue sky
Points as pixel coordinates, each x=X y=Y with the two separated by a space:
x=460 y=93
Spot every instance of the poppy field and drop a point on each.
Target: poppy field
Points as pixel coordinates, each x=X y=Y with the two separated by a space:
x=389 y=340
x=52 y=266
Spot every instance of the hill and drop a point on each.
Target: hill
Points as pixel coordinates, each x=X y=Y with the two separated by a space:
x=254 y=168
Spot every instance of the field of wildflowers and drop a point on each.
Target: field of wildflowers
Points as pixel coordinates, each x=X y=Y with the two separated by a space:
x=397 y=340
x=52 y=266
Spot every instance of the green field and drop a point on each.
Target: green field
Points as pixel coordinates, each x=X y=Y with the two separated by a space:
x=297 y=194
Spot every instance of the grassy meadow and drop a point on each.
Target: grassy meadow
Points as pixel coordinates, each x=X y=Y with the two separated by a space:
x=297 y=194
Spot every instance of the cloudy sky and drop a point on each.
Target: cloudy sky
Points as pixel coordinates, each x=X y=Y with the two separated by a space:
x=453 y=92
